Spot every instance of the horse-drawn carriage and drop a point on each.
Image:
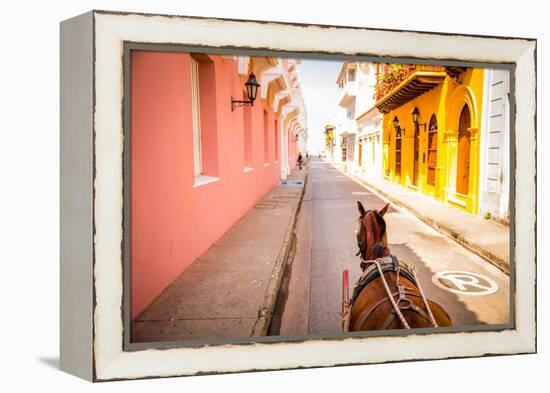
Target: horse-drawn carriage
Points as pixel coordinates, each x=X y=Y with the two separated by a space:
x=388 y=294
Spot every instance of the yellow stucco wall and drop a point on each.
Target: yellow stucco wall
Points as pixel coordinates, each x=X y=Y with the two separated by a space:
x=446 y=102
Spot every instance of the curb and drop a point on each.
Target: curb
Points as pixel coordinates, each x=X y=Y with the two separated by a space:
x=265 y=312
x=494 y=260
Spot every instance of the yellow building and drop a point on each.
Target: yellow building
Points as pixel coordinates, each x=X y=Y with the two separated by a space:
x=430 y=130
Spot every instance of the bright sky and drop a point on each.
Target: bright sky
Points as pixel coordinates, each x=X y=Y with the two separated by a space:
x=319 y=88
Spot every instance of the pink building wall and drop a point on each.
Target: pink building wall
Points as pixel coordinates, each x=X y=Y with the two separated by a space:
x=172 y=222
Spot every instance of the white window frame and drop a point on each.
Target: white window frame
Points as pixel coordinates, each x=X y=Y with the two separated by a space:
x=196 y=118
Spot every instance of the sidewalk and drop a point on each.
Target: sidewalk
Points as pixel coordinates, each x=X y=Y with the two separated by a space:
x=488 y=239
x=231 y=290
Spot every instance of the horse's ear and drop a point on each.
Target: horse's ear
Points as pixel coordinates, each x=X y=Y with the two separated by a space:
x=361 y=208
x=384 y=209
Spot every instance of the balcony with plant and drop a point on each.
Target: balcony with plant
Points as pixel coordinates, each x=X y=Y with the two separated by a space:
x=400 y=83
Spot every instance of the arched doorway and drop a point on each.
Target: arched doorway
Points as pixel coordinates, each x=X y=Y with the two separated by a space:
x=463 y=159
x=416 y=153
x=432 y=150
x=398 y=151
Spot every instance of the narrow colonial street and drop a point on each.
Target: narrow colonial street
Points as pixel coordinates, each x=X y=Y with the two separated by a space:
x=326 y=245
x=243 y=216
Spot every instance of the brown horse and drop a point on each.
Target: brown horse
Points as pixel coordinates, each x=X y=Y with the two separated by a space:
x=388 y=294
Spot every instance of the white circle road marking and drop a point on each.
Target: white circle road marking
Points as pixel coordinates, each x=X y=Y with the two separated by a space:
x=463 y=280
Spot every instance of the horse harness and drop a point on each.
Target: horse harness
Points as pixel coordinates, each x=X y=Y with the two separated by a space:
x=377 y=268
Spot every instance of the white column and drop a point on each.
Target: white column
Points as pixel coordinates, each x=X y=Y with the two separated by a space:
x=284 y=153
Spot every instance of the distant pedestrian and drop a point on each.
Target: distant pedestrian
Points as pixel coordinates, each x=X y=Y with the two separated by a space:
x=300 y=159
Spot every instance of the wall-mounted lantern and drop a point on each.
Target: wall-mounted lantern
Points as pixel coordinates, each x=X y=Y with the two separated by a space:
x=252 y=87
x=415 y=115
x=398 y=130
x=396 y=123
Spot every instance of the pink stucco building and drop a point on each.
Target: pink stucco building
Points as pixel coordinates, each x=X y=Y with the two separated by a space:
x=197 y=166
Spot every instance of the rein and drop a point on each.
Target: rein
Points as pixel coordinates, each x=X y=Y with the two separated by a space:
x=401 y=292
x=402 y=302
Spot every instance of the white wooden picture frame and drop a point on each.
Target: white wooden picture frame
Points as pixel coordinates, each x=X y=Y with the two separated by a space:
x=92 y=195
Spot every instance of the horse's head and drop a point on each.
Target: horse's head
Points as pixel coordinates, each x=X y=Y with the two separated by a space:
x=371 y=235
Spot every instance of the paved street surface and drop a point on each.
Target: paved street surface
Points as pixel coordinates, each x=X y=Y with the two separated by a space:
x=495 y=242
x=326 y=245
x=220 y=294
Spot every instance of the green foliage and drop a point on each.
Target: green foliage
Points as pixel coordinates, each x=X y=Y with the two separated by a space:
x=391 y=76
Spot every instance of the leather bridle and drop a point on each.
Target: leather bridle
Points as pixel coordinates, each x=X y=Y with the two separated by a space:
x=361 y=232
x=402 y=302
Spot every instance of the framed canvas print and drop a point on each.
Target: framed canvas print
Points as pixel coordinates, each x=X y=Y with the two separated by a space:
x=246 y=195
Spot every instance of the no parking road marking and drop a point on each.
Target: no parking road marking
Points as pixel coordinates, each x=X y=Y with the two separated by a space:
x=465 y=283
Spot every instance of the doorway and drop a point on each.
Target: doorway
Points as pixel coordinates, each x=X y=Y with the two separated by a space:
x=463 y=164
x=432 y=150
x=416 y=148
x=398 y=151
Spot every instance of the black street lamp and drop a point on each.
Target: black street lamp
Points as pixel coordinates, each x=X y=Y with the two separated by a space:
x=415 y=115
x=398 y=130
x=396 y=122
x=252 y=87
